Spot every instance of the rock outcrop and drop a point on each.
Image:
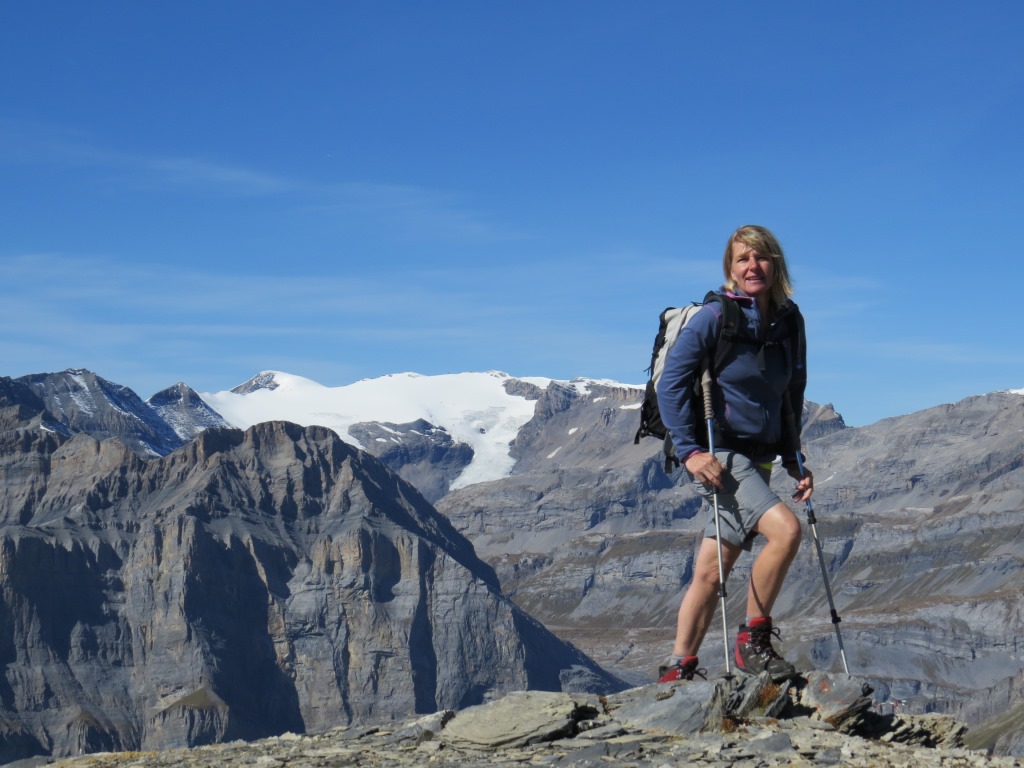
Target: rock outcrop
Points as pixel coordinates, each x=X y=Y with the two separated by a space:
x=811 y=722
x=247 y=584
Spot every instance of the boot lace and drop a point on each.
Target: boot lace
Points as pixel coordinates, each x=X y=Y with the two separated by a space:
x=761 y=640
x=689 y=670
x=686 y=671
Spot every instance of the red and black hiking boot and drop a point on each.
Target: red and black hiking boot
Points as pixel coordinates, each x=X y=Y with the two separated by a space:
x=682 y=670
x=755 y=654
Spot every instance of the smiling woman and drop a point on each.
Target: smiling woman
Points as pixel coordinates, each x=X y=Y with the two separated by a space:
x=750 y=397
x=754 y=263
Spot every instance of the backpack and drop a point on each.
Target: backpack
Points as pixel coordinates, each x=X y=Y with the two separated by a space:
x=672 y=322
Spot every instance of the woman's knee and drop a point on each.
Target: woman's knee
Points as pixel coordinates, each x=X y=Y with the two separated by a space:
x=794 y=532
x=780 y=526
x=705 y=567
x=706 y=578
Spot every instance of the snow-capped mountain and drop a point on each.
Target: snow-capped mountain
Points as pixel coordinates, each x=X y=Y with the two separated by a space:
x=184 y=411
x=484 y=411
x=83 y=401
x=86 y=402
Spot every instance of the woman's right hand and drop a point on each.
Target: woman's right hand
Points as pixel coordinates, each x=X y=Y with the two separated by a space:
x=705 y=468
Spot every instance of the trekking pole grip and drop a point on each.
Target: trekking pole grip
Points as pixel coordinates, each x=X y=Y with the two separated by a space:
x=705 y=385
x=811 y=518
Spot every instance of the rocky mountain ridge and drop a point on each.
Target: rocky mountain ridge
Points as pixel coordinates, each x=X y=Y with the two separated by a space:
x=917 y=515
x=86 y=402
x=245 y=584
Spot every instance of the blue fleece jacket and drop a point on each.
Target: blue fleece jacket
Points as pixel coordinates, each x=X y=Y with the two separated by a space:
x=766 y=364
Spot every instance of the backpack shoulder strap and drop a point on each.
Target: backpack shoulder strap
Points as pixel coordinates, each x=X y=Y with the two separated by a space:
x=729 y=328
x=799 y=332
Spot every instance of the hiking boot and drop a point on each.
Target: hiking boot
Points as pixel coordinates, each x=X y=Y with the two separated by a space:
x=755 y=654
x=683 y=670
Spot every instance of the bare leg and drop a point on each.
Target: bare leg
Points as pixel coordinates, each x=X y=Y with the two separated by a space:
x=782 y=530
x=698 y=605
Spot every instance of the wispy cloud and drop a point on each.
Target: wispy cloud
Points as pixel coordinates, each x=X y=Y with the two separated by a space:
x=406 y=210
x=149 y=326
x=409 y=211
x=107 y=297
x=33 y=144
x=210 y=175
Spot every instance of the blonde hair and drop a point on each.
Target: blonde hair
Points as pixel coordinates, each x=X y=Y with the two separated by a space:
x=764 y=242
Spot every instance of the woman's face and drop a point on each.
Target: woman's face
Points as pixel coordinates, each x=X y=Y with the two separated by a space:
x=752 y=272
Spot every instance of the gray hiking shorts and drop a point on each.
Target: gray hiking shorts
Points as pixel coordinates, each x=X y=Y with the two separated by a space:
x=745 y=496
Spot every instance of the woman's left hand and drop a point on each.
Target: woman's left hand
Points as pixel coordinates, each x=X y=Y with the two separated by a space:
x=804 y=485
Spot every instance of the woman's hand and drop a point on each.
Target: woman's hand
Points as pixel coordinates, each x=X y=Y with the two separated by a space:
x=705 y=468
x=804 y=484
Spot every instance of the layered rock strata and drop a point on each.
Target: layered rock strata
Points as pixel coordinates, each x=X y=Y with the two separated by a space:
x=247 y=584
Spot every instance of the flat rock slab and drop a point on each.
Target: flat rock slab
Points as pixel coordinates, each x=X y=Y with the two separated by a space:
x=519 y=719
x=682 y=708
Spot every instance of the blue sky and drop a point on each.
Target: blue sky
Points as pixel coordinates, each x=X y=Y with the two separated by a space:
x=198 y=191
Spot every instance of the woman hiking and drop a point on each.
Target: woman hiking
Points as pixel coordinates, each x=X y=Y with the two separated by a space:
x=756 y=391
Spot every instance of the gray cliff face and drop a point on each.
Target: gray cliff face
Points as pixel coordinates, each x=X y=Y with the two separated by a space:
x=247 y=584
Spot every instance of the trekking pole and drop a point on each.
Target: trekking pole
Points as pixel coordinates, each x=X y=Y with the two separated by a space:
x=705 y=383
x=812 y=521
